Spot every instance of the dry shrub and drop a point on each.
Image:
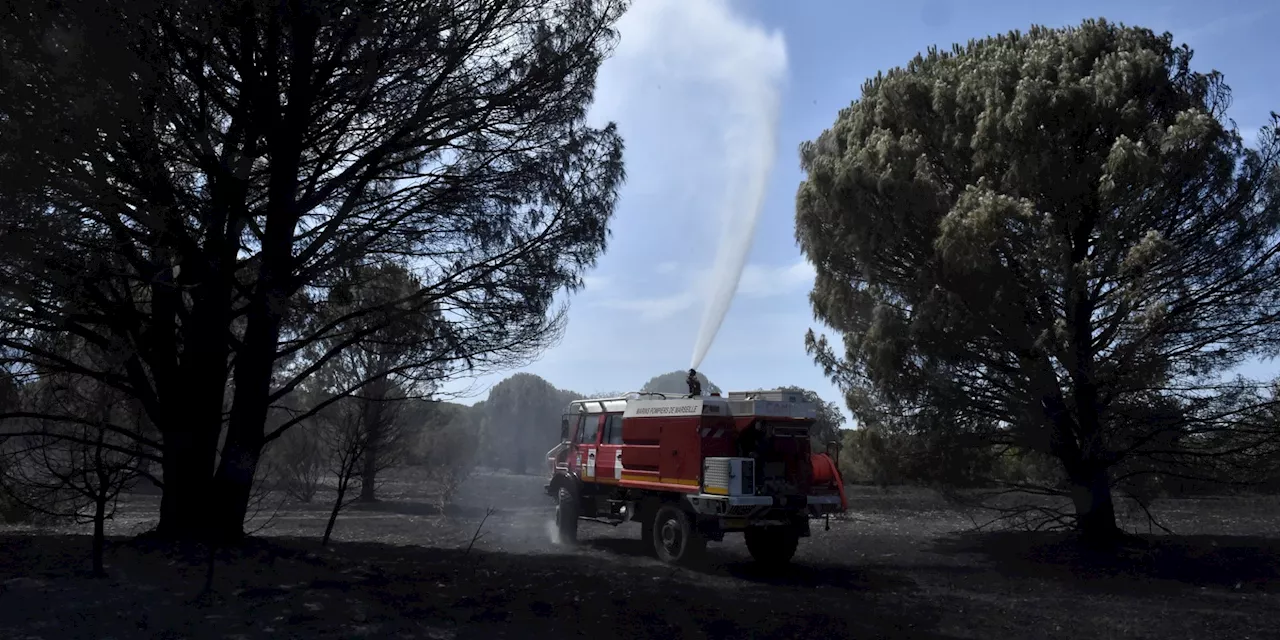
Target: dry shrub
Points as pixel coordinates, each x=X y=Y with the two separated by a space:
x=296 y=461
x=449 y=455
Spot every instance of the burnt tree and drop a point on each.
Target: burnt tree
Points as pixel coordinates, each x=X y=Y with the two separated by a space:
x=73 y=453
x=228 y=160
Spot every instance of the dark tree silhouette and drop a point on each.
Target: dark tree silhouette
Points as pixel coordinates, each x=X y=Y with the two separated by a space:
x=397 y=358
x=522 y=420
x=346 y=433
x=448 y=445
x=70 y=457
x=184 y=183
x=673 y=382
x=1035 y=240
x=298 y=461
x=829 y=423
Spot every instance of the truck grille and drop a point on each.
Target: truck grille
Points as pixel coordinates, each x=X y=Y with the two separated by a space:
x=715 y=474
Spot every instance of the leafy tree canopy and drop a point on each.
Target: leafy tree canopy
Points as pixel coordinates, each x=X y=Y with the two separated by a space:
x=830 y=419
x=1038 y=240
x=522 y=415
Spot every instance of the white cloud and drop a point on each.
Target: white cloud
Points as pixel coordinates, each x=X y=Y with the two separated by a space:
x=1225 y=24
x=693 y=86
x=655 y=308
x=1251 y=136
x=594 y=283
x=759 y=281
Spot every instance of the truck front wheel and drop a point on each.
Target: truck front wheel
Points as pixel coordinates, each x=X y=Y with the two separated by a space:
x=772 y=546
x=675 y=540
x=566 y=517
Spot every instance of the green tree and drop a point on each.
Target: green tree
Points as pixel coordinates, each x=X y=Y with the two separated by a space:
x=447 y=445
x=1030 y=240
x=522 y=420
x=674 y=382
x=393 y=352
x=829 y=423
x=182 y=181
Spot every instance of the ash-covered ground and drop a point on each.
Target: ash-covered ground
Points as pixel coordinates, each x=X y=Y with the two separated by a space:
x=901 y=565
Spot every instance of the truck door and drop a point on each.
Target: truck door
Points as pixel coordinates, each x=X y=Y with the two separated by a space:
x=558 y=457
x=609 y=460
x=588 y=445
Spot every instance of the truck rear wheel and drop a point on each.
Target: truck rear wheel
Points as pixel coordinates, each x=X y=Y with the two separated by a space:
x=675 y=540
x=648 y=510
x=772 y=546
x=566 y=517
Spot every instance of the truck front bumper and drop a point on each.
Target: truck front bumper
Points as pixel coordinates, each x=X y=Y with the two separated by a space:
x=820 y=506
x=748 y=506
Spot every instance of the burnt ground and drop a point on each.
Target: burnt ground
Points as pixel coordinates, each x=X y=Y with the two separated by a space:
x=902 y=565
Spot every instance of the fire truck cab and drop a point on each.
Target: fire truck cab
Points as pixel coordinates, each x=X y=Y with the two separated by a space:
x=690 y=469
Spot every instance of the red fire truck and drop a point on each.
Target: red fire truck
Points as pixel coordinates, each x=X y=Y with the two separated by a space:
x=691 y=468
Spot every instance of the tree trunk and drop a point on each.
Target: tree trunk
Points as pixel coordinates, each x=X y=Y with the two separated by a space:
x=190 y=419
x=187 y=464
x=99 y=534
x=337 y=506
x=233 y=485
x=256 y=358
x=233 y=482
x=374 y=431
x=1095 y=511
x=369 y=477
x=1089 y=478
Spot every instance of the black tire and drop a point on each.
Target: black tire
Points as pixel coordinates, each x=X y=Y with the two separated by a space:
x=772 y=547
x=566 y=517
x=647 y=512
x=675 y=540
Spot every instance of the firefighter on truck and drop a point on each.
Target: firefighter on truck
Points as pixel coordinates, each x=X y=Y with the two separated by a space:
x=690 y=469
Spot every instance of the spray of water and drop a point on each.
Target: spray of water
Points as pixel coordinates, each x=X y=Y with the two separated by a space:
x=750 y=144
x=695 y=87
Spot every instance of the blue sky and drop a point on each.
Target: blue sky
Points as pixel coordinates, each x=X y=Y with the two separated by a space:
x=691 y=87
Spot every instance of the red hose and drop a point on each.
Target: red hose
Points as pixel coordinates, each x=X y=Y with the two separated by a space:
x=824 y=470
